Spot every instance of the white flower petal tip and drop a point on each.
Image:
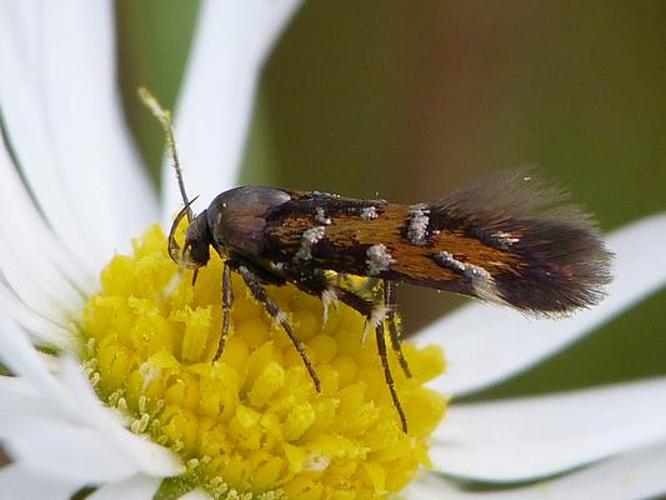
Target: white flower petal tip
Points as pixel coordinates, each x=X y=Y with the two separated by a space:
x=132 y=488
x=232 y=42
x=68 y=411
x=64 y=431
x=17 y=396
x=530 y=438
x=430 y=486
x=639 y=474
x=19 y=481
x=150 y=458
x=197 y=494
x=485 y=345
x=52 y=443
x=635 y=475
x=70 y=452
x=18 y=354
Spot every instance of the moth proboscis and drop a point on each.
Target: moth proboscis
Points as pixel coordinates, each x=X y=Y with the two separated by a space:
x=504 y=239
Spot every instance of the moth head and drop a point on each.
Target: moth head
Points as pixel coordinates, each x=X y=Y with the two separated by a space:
x=195 y=252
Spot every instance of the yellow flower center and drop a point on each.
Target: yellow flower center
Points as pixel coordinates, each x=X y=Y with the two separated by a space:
x=251 y=425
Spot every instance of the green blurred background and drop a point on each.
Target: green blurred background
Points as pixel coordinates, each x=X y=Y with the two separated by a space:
x=409 y=99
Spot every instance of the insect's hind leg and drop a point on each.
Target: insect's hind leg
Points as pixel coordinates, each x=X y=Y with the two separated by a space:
x=227 y=301
x=391 y=303
x=369 y=310
x=388 y=376
x=315 y=283
x=259 y=292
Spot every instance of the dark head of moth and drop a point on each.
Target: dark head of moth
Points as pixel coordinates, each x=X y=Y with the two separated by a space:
x=505 y=239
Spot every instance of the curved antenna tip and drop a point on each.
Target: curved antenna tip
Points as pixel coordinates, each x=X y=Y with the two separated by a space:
x=164 y=117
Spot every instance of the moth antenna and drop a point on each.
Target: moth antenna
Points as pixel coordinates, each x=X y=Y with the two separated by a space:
x=164 y=117
x=174 y=247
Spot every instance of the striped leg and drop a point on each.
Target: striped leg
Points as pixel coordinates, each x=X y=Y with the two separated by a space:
x=227 y=301
x=391 y=304
x=381 y=349
x=316 y=284
x=259 y=292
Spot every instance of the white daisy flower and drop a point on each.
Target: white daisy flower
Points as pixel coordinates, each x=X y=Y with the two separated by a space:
x=140 y=419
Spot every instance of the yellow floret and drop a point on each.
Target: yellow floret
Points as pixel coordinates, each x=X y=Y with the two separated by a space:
x=251 y=425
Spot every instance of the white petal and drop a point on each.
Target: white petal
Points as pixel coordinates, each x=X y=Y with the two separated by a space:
x=25 y=233
x=31 y=260
x=197 y=494
x=41 y=330
x=96 y=154
x=13 y=271
x=28 y=227
x=430 y=486
x=132 y=488
x=76 y=399
x=18 y=397
x=90 y=428
x=529 y=438
x=232 y=42
x=25 y=113
x=60 y=105
x=148 y=457
x=18 y=354
x=60 y=449
x=485 y=345
x=635 y=475
x=18 y=481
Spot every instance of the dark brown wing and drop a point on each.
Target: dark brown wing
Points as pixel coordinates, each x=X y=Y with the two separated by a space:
x=498 y=239
x=555 y=259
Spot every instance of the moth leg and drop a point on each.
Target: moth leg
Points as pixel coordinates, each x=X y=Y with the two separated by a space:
x=391 y=304
x=381 y=349
x=315 y=283
x=259 y=292
x=227 y=301
x=374 y=313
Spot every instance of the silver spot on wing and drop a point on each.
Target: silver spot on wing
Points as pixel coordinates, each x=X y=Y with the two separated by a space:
x=308 y=239
x=417 y=231
x=378 y=259
x=320 y=217
x=482 y=281
x=368 y=213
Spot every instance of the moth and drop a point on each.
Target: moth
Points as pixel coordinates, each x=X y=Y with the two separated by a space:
x=505 y=239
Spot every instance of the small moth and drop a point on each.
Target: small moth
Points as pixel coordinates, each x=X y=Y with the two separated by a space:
x=505 y=239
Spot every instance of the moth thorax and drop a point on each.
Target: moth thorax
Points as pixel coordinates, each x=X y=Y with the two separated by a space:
x=237 y=218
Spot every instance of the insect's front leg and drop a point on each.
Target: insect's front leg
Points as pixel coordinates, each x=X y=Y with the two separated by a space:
x=374 y=313
x=227 y=301
x=381 y=349
x=258 y=290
